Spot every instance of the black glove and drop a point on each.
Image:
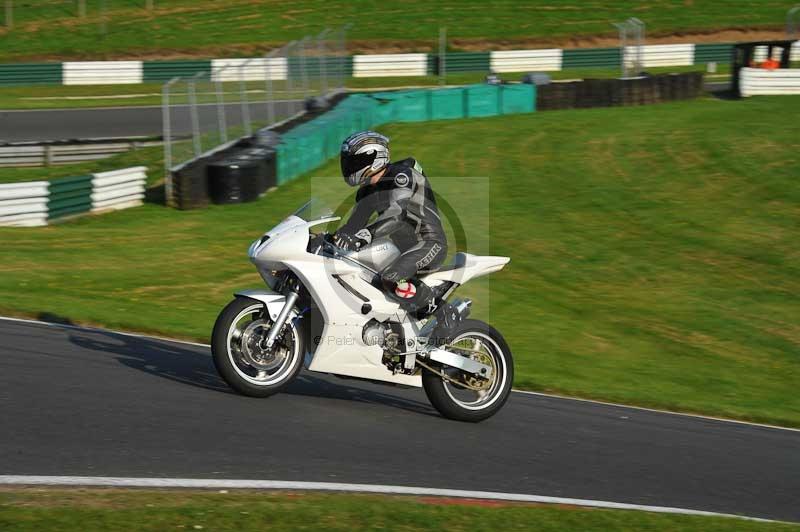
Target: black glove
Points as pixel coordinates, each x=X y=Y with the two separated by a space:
x=347 y=241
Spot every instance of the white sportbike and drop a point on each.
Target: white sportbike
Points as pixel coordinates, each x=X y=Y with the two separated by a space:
x=325 y=309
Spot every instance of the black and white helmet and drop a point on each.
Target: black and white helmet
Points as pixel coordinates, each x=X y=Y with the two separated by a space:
x=363 y=154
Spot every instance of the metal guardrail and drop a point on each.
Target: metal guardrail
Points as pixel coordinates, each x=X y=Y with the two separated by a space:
x=28 y=154
x=39 y=203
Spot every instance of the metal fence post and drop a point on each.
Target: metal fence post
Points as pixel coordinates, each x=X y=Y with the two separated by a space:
x=323 y=71
x=623 y=33
x=269 y=100
x=167 y=138
x=196 y=140
x=639 y=28
x=343 y=50
x=303 y=67
x=244 y=103
x=289 y=81
x=792 y=21
x=221 y=122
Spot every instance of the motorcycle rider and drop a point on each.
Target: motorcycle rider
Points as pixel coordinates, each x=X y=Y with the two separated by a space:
x=400 y=194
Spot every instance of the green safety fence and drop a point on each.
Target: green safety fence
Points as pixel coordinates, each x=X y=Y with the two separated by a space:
x=69 y=195
x=31 y=74
x=312 y=143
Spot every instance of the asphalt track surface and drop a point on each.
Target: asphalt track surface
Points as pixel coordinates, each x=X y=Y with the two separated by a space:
x=121 y=122
x=95 y=403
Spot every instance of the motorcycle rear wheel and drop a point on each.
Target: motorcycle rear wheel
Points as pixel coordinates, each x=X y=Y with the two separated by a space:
x=482 y=342
x=237 y=348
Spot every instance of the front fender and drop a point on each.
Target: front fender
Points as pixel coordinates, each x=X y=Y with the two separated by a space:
x=274 y=302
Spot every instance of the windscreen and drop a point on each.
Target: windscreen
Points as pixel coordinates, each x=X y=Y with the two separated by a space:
x=314 y=209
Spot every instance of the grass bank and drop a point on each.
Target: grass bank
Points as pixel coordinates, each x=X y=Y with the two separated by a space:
x=183 y=28
x=654 y=251
x=85 y=509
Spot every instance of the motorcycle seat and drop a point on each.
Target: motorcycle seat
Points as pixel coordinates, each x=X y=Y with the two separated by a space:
x=464 y=267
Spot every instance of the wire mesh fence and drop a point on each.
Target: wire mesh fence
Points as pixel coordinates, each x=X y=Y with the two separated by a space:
x=238 y=97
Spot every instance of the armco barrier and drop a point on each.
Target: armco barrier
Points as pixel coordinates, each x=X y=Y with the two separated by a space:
x=103 y=72
x=160 y=71
x=24 y=204
x=40 y=202
x=757 y=81
x=526 y=60
x=663 y=55
x=118 y=189
x=383 y=65
x=387 y=65
x=31 y=74
x=592 y=58
x=712 y=53
x=51 y=154
x=69 y=196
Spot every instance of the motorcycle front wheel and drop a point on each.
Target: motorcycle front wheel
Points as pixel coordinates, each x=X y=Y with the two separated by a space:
x=238 y=347
x=465 y=397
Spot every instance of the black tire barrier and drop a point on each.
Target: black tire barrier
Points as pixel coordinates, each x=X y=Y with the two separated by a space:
x=644 y=90
x=234 y=180
x=190 y=185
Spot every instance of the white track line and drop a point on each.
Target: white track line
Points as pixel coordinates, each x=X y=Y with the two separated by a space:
x=198 y=483
x=656 y=411
x=522 y=392
x=99 y=330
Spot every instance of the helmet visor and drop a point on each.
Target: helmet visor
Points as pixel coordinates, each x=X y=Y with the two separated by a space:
x=356 y=162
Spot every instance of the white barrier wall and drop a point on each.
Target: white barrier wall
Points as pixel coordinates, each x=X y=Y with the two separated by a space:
x=757 y=81
x=386 y=65
x=255 y=69
x=662 y=55
x=24 y=204
x=119 y=189
x=526 y=60
x=102 y=72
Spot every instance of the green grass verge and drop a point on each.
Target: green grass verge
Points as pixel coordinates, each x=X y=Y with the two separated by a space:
x=654 y=251
x=149 y=94
x=51 y=28
x=85 y=509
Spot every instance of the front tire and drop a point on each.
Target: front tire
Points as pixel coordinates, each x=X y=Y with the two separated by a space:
x=481 y=341
x=240 y=356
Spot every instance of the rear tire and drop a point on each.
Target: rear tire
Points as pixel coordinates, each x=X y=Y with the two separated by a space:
x=238 y=357
x=447 y=398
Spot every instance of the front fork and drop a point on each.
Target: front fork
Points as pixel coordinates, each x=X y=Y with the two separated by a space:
x=280 y=321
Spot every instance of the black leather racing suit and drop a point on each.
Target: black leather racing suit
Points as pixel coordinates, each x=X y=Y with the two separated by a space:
x=408 y=214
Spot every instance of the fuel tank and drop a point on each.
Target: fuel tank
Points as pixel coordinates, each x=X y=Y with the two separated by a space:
x=378 y=255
